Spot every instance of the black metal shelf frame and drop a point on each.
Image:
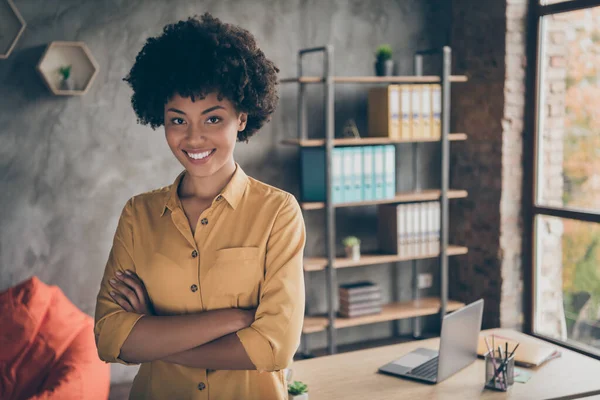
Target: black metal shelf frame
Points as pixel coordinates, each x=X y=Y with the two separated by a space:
x=329 y=101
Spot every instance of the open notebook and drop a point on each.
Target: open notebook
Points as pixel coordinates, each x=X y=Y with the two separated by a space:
x=530 y=353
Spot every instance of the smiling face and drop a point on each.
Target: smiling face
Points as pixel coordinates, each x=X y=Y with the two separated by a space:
x=202 y=133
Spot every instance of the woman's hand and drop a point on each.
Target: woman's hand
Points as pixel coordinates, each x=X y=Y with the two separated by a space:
x=130 y=293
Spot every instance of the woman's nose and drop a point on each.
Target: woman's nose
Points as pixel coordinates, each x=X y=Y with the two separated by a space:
x=195 y=133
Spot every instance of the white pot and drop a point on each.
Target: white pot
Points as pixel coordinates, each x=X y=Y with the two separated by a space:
x=353 y=252
x=67 y=84
x=303 y=396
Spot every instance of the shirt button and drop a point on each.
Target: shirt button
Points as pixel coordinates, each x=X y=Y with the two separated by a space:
x=194 y=288
x=201 y=386
x=194 y=254
x=204 y=221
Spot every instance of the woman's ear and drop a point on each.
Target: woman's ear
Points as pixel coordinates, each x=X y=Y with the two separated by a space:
x=242 y=120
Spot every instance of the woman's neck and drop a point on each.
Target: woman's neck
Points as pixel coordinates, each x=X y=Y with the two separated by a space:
x=206 y=187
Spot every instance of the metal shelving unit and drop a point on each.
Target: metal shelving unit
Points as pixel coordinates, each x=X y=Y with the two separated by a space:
x=417 y=307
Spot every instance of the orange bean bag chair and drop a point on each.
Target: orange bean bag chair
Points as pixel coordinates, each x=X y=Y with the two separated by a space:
x=47 y=348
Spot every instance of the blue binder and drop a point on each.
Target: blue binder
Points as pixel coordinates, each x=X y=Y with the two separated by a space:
x=357 y=173
x=312 y=162
x=337 y=177
x=390 y=172
x=347 y=174
x=379 y=168
x=367 y=175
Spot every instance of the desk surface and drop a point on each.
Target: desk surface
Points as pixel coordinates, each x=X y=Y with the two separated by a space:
x=353 y=376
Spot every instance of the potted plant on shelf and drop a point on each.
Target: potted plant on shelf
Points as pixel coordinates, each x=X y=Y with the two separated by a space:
x=66 y=83
x=384 y=66
x=297 y=391
x=352 y=247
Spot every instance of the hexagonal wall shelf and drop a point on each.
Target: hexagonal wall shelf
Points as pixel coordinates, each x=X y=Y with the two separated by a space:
x=12 y=26
x=63 y=54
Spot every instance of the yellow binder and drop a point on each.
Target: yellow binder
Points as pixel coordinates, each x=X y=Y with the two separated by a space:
x=436 y=98
x=405 y=112
x=427 y=114
x=416 y=107
x=384 y=112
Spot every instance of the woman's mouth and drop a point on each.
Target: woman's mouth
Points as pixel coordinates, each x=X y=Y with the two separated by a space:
x=200 y=157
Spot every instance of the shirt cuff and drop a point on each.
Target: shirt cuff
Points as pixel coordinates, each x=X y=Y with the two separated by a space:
x=113 y=333
x=258 y=348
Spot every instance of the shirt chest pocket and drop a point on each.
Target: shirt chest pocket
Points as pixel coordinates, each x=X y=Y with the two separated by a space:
x=234 y=278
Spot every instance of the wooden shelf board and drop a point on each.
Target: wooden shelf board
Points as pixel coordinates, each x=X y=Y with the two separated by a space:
x=366 y=141
x=407 y=253
x=314 y=324
x=61 y=53
x=389 y=312
x=375 y=79
x=423 y=195
x=13 y=26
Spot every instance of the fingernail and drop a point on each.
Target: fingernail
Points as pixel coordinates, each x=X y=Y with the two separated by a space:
x=128 y=272
x=119 y=273
x=112 y=293
x=113 y=281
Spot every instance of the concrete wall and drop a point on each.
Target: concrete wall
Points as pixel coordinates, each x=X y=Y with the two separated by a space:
x=68 y=164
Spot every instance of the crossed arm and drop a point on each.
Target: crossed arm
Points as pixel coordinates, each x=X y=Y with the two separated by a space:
x=128 y=332
x=203 y=340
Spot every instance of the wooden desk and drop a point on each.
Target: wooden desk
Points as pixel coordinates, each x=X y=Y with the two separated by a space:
x=354 y=376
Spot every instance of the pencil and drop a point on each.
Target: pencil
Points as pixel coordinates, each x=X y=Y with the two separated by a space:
x=502 y=367
x=515 y=349
x=497 y=372
x=493 y=360
x=506 y=362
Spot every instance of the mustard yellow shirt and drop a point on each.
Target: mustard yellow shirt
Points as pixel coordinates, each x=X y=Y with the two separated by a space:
x=246 y=252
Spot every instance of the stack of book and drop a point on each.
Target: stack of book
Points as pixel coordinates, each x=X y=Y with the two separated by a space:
x=405 y=112
x=359 y=298
x=359 y=173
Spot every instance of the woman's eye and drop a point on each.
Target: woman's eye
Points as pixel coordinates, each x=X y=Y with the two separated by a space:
x=177 y=121
x=213 y=120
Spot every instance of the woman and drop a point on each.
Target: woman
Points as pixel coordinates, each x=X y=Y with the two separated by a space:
x=204 y=285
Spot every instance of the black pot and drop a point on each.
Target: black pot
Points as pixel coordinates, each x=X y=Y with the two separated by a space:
x=384 y=68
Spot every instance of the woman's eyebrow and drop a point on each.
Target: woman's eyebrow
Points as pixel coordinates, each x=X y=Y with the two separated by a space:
x=212 y=109
x=203 y=112
x=176 y=110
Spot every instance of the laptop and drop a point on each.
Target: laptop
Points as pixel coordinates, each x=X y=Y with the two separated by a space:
x=458 y=349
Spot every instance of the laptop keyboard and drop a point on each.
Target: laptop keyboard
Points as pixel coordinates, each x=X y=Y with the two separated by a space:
x=428 y=370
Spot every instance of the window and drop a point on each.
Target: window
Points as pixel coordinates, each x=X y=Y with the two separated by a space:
x=566 y=203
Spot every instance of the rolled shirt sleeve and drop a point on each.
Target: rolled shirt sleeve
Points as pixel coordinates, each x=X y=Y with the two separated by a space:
x=112 y=323
x=274 y=336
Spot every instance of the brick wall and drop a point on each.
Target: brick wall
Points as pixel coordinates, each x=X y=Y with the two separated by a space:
x=511 y=301
x=478 y=43
x=549 y=303
x=489 y=45
x=488 y=41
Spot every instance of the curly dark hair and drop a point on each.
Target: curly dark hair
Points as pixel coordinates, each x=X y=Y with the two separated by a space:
x=199 y=56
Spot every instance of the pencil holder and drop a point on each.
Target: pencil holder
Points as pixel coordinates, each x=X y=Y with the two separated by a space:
x=499 y=373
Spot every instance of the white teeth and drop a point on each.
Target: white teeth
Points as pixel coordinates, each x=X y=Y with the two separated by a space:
x=199 y=156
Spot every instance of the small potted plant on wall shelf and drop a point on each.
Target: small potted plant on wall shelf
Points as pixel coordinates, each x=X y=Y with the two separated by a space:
x=384 y=66
x=66 y=83
x=297 y=391
x=352 y=247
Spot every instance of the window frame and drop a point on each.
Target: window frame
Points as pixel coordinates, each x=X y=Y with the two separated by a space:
x=531 y=209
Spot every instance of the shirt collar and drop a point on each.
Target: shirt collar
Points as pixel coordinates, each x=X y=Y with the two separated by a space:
x=232 y=192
